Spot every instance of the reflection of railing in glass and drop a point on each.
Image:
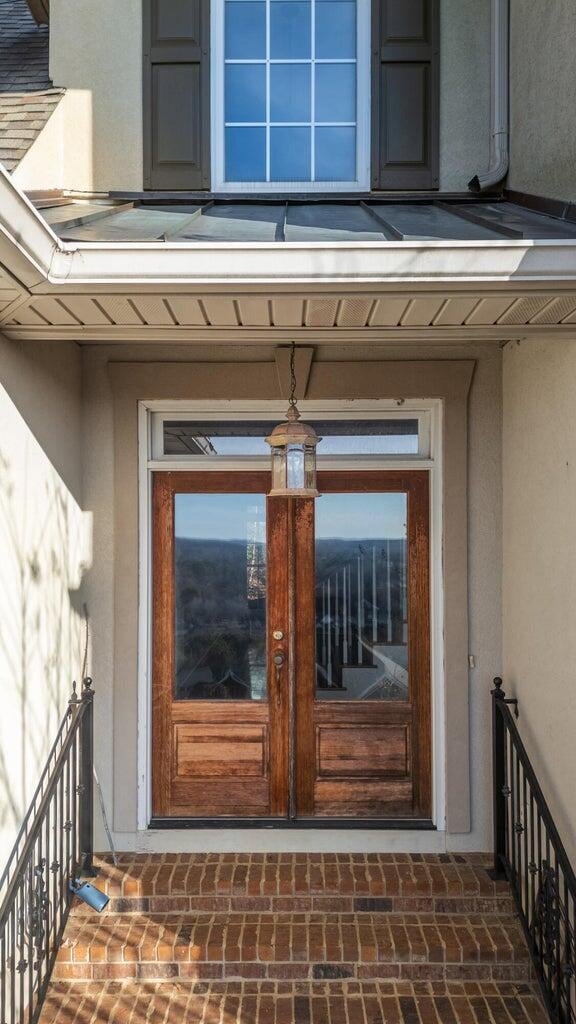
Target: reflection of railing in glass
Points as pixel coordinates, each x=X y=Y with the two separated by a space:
x=220 y=598
x=361 y=620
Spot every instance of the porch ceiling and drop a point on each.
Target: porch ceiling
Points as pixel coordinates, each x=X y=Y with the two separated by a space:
x=337 y=317
x=329 y=288
x=11 y=293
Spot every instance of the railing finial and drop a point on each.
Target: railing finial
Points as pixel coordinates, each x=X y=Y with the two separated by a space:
x=498 y=692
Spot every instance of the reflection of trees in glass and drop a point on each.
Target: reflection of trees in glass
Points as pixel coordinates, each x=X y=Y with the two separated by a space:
x=220 y=619
x=256 y=557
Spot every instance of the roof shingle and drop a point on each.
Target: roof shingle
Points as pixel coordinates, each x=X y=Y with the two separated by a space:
x=27 y=98
x=22 y=118
x=23 y=49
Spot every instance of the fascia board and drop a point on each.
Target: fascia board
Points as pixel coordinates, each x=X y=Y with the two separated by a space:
x=27 y=243
x=381 y=263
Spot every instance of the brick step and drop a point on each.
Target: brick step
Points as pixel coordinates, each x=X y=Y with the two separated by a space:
x=302 y=882
x=294 y=947
x=266 y=1002
x=501 y=904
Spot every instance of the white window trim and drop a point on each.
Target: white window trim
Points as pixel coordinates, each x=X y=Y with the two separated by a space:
x=363 y=83
x=432 y=413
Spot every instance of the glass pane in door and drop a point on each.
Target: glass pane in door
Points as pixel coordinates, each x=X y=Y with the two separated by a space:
x=220 y=597
x=361 y=597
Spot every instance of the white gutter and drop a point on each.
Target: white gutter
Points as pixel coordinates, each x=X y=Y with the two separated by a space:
x=500 y=98
x=27 y=244
x=142 y=266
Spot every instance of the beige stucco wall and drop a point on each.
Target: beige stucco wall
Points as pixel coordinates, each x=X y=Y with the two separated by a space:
x=543 y=98
x=44 y=543
x=43 y=165
x=114 y=637
x=63 y=154
x=539 y=588
x=464 y=91
x=96 y=53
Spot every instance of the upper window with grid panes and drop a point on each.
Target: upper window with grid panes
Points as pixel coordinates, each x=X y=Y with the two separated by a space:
x=290 y=94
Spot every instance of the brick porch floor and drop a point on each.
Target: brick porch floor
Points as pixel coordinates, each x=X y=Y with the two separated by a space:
x=314 y=939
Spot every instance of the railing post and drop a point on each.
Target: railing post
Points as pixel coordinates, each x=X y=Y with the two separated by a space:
x=86 y=803
x=498 y=780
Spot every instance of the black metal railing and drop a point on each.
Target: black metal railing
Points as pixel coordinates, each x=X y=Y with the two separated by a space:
x=53 y=847
x=529 y=852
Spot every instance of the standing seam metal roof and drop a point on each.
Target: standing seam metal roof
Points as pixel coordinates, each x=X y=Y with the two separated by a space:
x=372 y=220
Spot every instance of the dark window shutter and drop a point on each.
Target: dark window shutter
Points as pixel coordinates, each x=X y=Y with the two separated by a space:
x=405 y=94
x=177 y=94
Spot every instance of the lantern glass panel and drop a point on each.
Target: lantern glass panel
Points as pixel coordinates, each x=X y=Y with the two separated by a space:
x=310 y=468
x=295 y=473
x=278 y=468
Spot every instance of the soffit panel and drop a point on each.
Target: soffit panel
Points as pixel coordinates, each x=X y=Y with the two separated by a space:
x=169 y=316
x=11 y=294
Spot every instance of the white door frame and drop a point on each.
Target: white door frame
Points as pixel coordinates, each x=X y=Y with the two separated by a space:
x=432 y=412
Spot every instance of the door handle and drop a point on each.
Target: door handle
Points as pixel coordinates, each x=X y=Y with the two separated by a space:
x=278 y=659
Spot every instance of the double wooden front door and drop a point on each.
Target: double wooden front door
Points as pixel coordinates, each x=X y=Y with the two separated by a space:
x=291 y=668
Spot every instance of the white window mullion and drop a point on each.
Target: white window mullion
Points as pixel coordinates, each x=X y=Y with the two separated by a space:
x=268 y=90
x=313 y=92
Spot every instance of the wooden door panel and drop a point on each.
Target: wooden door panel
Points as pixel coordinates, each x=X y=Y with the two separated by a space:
x=360 y=712
x=278 y=680
x=214 y=758
x=305 y=655
x=364 y=769
x=363 y=798
x=214 y=751
x=366 y=758
x=215 y=798
x=365 y=751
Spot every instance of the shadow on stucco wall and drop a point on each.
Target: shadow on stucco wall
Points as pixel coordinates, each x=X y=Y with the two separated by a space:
x=43 y=555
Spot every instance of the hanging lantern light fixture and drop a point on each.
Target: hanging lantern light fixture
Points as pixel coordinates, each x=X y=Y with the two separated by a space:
x=293 y=446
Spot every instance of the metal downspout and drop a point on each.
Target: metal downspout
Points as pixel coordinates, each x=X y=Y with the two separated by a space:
x=500 y=96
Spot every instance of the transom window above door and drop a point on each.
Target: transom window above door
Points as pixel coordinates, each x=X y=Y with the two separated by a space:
x=289 y=88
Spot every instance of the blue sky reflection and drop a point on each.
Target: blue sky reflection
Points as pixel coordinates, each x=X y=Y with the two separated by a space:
x=242 y=517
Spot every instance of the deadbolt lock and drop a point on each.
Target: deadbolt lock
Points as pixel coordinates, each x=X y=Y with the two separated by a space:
x=278 y=634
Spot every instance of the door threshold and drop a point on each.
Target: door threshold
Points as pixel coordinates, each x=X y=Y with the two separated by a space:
x=384 y=824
